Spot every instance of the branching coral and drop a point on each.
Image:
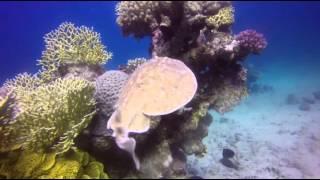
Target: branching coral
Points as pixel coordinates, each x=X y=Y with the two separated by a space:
x=251 y=41
x=69 y=44
x=141 y=17
x=225 y=16
x=50 y=116
x=72 y=164
x=23 y=81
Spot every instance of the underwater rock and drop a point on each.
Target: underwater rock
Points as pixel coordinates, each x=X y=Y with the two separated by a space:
x=227 y=153
x=317 y=95
x=308 y=100
x=228 y=159
x=305 y=106
x=229 y=163
x=292 y=99
x=163 y=161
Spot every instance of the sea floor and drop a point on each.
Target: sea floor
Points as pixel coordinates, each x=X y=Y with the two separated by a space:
x=270 y=138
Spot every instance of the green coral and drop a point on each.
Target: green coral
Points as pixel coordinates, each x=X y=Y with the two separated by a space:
x=50 y=116
x=225 y=16
x=69 y=44
x=72 y=164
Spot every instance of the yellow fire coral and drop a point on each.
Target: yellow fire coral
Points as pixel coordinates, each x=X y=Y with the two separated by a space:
x=225 y=16
x=50 y=116
x=72 y=45
x=72 y=164
x=25 y=81
x=157 y=87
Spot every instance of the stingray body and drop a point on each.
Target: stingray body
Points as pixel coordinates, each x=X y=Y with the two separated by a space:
x=160 y=86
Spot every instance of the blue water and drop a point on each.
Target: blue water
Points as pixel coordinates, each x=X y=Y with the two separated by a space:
x=291 y=28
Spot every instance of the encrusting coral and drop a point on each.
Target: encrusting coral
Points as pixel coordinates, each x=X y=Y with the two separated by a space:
x=30 y=165
x=225 y=16
x=70 y=45
x=50 y=116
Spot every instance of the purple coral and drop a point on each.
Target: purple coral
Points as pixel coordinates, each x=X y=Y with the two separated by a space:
x=251 y=41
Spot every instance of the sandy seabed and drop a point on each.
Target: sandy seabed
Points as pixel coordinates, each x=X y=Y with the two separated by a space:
x=270 y=138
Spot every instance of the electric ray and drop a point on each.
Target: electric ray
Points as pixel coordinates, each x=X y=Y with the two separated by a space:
x=160 y=86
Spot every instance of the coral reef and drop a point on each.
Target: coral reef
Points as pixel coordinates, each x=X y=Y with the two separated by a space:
x=50 y=116
x=251 y=41
x=30 y=165
x=214 y=56
x=70 y=46
x=152 y=111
